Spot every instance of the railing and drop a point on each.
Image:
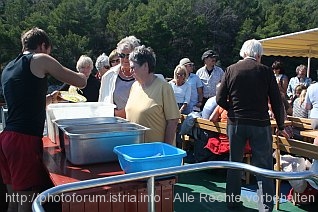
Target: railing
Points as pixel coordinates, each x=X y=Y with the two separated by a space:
x=150 y=176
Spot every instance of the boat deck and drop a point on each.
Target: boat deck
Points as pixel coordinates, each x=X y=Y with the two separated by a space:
x=207 y=190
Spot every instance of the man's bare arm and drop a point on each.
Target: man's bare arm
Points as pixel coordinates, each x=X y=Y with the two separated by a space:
x=43 y=64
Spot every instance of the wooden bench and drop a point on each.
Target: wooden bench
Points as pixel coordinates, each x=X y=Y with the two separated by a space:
x=300 y=124
x=309 y=133
x=219 y=127
x=291 y=146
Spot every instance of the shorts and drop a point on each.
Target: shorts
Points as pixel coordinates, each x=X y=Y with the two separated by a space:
x=21 y=163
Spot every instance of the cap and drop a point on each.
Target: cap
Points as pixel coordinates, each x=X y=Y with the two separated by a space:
x=102 y=61
x=209 y=53
x=185 y=61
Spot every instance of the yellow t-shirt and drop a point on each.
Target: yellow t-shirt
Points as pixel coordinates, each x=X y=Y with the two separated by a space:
x=152 y=107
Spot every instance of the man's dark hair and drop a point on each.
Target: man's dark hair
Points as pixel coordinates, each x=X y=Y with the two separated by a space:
x=33 y=38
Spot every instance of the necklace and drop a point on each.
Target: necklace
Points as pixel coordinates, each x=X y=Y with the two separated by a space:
x=127 y=76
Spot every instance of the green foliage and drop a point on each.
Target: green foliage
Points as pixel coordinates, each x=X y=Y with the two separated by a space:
x=173 y=28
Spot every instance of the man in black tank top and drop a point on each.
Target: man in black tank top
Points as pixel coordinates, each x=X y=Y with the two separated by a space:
x=24 y=82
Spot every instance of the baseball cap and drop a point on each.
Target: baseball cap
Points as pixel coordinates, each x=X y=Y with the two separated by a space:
x=209 y=53
x=185 y=61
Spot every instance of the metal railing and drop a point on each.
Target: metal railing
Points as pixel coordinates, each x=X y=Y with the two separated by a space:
x=150 y=176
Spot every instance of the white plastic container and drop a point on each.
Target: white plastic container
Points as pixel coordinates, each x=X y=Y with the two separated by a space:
x=75 y=110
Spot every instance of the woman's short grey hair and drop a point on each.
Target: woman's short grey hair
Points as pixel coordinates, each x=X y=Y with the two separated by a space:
x=251 y=48
x=101 y=61
x=129 y=42
x=141 y=55
x=83 y=61
x=301 y=67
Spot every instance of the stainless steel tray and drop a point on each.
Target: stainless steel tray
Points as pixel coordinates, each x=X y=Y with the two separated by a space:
x=87 y=144
x=61 y=123
x=89 y=121
x=102 y=130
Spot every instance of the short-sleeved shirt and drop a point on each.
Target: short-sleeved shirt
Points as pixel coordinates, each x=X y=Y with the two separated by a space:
x=210 y=81
x=182 y=92
x=152 y=107
x=312 y=98
x=195 y=82
x=294 y=81
x=299 y=110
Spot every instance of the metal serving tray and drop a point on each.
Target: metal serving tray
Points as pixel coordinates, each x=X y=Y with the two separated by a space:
x=75 y=111
x=87 y=144
x=60 y=123
x=88 y=121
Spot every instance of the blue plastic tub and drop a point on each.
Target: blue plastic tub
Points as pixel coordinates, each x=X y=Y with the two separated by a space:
x=148 y=156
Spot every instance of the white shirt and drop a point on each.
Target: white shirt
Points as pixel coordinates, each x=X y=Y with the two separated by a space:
x=182 y=93
x=107 y=86
x=210 y=81
x=312 y=98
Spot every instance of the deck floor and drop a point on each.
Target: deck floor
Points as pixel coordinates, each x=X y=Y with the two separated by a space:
x=202 y=184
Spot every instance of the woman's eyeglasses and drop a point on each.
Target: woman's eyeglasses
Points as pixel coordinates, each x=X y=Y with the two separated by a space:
x=115 y=61
x=123 y=55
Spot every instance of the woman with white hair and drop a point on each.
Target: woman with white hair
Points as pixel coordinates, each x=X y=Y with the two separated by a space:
x=116 y=83
x=102 y=65
x=299 y=79
x=85 y=65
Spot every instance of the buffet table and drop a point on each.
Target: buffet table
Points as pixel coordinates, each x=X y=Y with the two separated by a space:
x=129 y=196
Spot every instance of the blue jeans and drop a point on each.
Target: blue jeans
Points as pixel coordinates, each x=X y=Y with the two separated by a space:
x=260 y=139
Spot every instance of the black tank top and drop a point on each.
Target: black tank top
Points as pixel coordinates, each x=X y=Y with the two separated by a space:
x=25 y=95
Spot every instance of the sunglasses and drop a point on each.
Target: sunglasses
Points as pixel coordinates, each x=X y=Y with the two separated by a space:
x=123 y=55
x=115 y=61
x=107 y=67
x=180 y=75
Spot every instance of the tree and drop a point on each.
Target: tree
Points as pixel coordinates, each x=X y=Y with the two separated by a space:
x=173 y=28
